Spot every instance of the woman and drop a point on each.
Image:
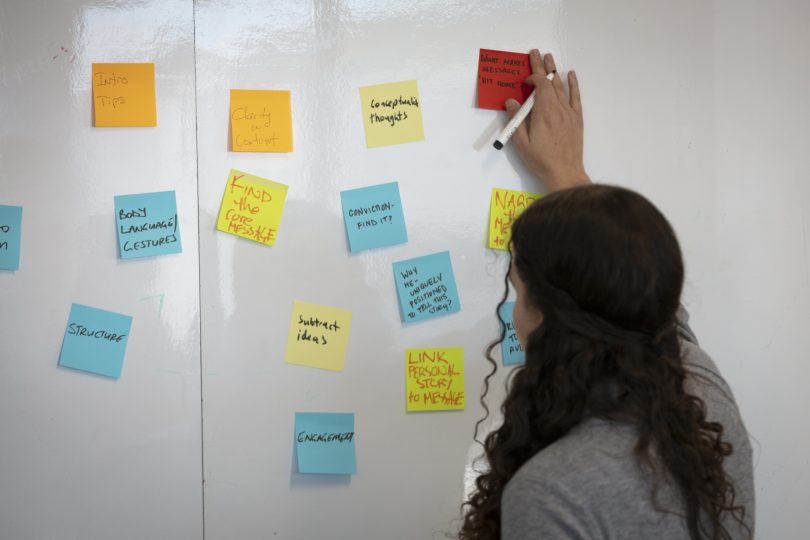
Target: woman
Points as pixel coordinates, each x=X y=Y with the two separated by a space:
x=618 y=425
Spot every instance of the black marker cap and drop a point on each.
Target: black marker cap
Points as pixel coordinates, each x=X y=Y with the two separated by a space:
x=498 y=145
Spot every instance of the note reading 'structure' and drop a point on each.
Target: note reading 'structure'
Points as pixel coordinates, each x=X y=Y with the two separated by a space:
x=426 y=287
x=511 y=351
x=434 y=379
x=95 y=340
x=124 y=95
x=373 y=217
x=147 y=224
x=500 y=77
x=392 y=113
x=318 y=336
x=10 y=237
x=504 y=208
x=261 y=121
x=324 y=443
x=251 y=207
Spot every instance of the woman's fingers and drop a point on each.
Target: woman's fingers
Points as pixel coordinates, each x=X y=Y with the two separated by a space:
x=573 y=87
x=521 y=136
x=556 y=82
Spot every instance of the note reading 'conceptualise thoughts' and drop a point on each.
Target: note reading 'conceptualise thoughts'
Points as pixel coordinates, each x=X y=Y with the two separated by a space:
x=500 y=77
x=426 y=287
x=261 y=121
x=434 y=379
x=392 y=113
x=318 y=336
x=324 y=443
x=373 y=217
x=504 y=208
x=511 y=351
x=251 y=207
x=95 y=340
x=147 y=224
x=124 y=95
x=10 y=237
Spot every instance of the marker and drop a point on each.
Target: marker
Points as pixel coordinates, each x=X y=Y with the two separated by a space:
x=518 y=119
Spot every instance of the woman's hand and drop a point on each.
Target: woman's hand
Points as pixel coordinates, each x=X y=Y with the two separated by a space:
x=549 y=141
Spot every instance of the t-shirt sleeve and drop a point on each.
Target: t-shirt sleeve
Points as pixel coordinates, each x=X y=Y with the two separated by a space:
x=540 y=510
x=684 y=330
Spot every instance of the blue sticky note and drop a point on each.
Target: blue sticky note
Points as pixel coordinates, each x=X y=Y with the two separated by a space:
x=10 y=227
x=426 y=287
x=95 y=340
x=373 y=217
x=324 y=443
x=147 y=224
x=511 y=351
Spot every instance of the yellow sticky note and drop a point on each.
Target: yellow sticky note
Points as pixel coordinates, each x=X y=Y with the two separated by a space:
x=261 y=121
x=392 y=113
x=251 y=207
x=434 y=379
x=124 y=95
x=318 y=336
x=504 y=208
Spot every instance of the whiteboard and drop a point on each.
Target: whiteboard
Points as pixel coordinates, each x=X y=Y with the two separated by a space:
x=673 y=108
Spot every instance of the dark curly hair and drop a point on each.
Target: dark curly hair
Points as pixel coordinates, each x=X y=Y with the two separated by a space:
x=603 y=267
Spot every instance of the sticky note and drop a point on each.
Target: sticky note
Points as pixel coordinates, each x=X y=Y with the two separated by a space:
x=434 y=379
x=124 y=95
x=261 y=121
x=504 y=208
x=392 y=113
x=426 y=287
x=373 y=217
x=251 y=207
x=146 y=224
x=318 y=336
x=95 y=340
x=511 y=351
x=500 y=77
x=10 y=236
x=324 y=443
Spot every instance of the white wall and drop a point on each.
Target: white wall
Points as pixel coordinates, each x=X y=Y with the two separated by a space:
x=699 y=105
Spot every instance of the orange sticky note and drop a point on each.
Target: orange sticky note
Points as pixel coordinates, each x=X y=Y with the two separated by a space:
x=261 y=121
x=124 y=95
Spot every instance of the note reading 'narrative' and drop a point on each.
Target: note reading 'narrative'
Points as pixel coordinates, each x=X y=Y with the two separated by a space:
x=504 y=208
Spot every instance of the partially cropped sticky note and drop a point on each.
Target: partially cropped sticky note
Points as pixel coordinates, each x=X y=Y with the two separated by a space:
x=500 y=77
x=434 y=379
x=324 y=443
x=147 y=224
x=392 y=113
x=10 y=237
x=124 y=95
x=318 y=336
x=373 y=217
x=504 y=208
x=426 y=287
x=251 y=207
x=511 y=351
x=261 y=121
x=95 y=340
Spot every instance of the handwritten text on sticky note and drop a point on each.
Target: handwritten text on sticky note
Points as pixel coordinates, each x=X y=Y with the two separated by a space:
x=147 y=224
x=500 y=77
x=373 y=217
x=251 y=207
x=261 y=121
x=318 y=336
x=324 y=443
x=426 y=287
x=504 y=208
x=95 y=340
x=434 y=379
x=124 y=95
x=392 y=113
x=10 y=237
x=511 y=351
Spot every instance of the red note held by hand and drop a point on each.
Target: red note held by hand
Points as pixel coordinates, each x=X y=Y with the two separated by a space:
x=500 y=77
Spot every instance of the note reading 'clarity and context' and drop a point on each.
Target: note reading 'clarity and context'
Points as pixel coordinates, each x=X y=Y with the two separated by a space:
x=10 y=236
x=434 y=379
x=373 y=217
x=124 y=95
x=251 y=207
x=324 y=443
x=504 y=208
x=426 y=287
x=500 y=77
x=147 y=224
x=392 y=113
x=511 y=351
x=261 y=121
x=95 y=340
x=318 y=336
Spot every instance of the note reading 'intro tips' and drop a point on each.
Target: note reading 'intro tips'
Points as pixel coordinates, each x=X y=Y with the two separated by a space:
x=261 y=121
x=392 y=113
x=500 y=77
x=124 y=95
x=324 y=443
x=10 y=225
x=434 y=379
x=318 y=336
x=426 y=287
x=504 y=208
x=95 y=340
x=251 y=207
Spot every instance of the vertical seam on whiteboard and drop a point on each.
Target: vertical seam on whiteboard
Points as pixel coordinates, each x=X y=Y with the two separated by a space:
x=199 y=261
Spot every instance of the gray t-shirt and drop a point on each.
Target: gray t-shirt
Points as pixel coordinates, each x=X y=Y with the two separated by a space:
x=589 y=485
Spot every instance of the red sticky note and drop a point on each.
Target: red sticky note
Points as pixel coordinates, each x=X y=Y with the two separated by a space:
x=500 y=77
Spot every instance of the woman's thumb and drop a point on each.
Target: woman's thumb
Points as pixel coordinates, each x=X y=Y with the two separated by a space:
x=512 y=106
